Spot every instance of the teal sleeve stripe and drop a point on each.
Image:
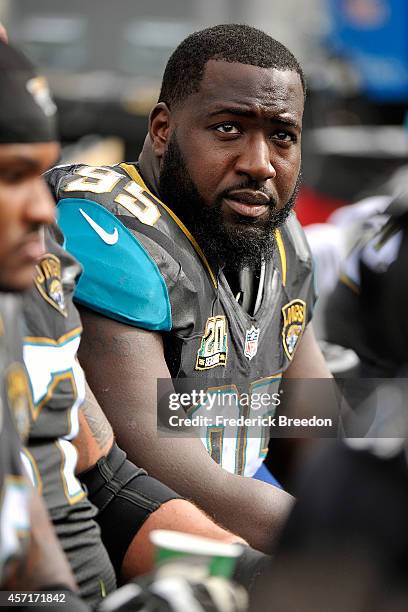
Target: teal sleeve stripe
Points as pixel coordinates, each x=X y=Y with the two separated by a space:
x=120 y=279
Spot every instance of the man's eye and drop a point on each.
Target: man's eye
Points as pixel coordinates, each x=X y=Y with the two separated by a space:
x=227 y=128
x=12 y=177
x=283 y=136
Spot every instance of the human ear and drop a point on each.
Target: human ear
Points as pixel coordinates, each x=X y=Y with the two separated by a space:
x=159 y=127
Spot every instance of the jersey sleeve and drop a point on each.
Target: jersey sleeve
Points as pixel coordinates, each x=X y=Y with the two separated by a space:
x=120 y=279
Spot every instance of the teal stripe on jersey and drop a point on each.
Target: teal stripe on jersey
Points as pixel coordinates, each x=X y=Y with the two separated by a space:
x=120 y=279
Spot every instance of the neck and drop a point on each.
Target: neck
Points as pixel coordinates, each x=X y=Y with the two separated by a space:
x=149 y=166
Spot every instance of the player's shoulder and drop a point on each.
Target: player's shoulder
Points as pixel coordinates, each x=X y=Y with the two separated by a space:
x=116 y=195
x=100 y=184
x=48 y=308
x=120 y=233
x=295 y=241
x=297 y=265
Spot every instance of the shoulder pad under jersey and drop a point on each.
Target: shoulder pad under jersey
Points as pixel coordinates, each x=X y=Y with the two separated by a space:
x=296 y=237
x=299 y=277
x=152 y=276
x=120 y=279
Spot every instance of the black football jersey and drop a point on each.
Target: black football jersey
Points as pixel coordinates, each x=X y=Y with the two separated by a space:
x=362 y=312
x=52 y=330
x=14 y=423
x=143 y=267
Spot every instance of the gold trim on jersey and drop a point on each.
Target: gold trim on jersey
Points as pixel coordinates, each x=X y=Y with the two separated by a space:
x=16 y=480
x=50 y=341
x=134 y=174
x=346 y=280
x=50 y=390
x=282 y=254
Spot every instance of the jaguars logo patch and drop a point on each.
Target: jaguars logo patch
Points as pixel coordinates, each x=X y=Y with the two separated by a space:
x=294 y=321
x=49 y=283
x=19 y=398
x=213 y=348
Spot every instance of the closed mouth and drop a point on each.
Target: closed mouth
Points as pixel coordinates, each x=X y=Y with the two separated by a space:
x=32 y=247
x=248 y=203
x=250 y=197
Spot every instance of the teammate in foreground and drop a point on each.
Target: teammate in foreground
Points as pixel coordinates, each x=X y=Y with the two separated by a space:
x=30 y=555
x=214 y=279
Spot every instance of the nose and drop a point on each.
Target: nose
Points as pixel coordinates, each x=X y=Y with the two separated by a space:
x=40 y=207
x=255 y=160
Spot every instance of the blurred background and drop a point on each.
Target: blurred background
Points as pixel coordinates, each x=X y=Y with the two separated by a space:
x=105 y=59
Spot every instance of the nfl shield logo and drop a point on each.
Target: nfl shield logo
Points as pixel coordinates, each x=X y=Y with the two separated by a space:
x=251 y=342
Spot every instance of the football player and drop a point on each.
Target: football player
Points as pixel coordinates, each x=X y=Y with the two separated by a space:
x=30 y=555
x=50 y=413
x=195 y=266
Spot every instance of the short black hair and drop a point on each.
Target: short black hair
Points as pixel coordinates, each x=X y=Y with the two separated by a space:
x=229 y=42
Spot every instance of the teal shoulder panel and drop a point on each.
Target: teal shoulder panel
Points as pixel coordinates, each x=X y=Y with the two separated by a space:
x=120 y=279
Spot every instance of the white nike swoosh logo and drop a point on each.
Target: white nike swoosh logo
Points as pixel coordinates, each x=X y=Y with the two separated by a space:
x=109 y=238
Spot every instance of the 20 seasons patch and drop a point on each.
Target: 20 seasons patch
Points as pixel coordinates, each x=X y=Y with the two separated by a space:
x=213 y=348
x=294 y=320
x=49 y=284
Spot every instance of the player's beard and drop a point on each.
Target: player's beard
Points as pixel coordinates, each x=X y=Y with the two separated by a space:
x=237 y=241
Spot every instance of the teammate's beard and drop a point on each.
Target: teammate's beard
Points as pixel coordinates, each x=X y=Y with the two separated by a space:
x=238 y=241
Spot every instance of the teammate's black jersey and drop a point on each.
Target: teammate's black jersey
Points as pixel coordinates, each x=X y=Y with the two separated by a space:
x=363 y=312
x=52 y=331
x=51 y=339
x=14 y=411
x=143 y=267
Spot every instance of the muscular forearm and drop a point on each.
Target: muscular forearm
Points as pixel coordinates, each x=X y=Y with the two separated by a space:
x=95 y=437
x=253 y=509
x=122 y=366
x=258 y=515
